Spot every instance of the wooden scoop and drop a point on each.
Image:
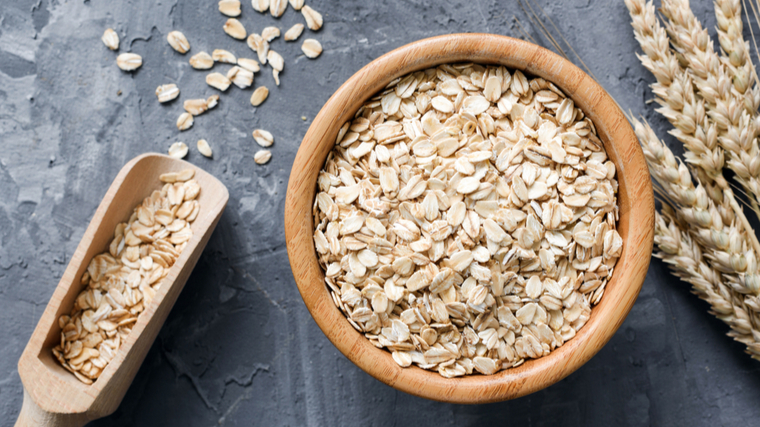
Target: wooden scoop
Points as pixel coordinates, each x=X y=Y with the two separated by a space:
x=54 y=396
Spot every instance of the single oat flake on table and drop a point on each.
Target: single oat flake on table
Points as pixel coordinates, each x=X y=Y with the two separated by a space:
x=110 y=39
x=293 y=33
x=259 y=96
x=121 y=282
x=202 y=61
x=167 y=92
x=129 y=61
x=465 y=219
x=178 y=150
x=178 y=41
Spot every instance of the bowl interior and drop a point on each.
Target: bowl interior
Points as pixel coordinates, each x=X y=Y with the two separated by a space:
x=635 y=197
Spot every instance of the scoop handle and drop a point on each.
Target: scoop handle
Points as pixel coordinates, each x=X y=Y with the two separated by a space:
x=32 y=415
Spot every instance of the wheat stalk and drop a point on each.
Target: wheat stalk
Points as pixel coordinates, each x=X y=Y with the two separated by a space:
x=735 y=49
x=698 y=236
x=687 y=262
x=736 y=128
x=727 y=247
x=675 y=93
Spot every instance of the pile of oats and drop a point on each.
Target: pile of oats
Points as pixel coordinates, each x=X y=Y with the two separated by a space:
x=465 y=219
x=121 y=282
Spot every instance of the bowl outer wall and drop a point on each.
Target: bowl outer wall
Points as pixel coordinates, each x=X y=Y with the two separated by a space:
x=636 y=224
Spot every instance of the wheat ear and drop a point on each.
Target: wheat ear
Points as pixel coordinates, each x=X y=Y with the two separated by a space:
x=685 y=258
x=736 y=129
x=728 y=14
x=681 y=106
x=676 y=94
x=728 y=249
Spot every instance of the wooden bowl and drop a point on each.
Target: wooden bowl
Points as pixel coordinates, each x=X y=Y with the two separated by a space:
x=636 y=225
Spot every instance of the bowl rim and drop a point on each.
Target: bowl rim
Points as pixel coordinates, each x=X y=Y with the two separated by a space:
x=636 y=217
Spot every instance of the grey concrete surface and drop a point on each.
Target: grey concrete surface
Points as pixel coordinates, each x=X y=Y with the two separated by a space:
x=240 y=348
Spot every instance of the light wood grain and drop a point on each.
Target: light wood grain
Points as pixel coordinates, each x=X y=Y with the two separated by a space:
x=52 y=395
x=636 y=224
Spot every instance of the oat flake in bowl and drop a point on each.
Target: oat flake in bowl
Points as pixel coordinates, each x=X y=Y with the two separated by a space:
x=465 y=219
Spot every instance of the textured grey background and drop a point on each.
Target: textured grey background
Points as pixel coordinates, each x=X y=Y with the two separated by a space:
x=240 y=348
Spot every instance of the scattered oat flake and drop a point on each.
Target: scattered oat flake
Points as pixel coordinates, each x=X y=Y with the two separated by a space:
x=262 y=157
x=258 y=45
x=243 y=78
x=296 y=4
x=235 y=29
x=240 y=77
x=263 y=138
x=201 y=61
x=218 y=81
x=212 y=101
x=178 y=150
x=223 y=56
x=311 y=48
x=259 y=96
x=270 y=33
x=185 y=121
x=129 y=61
x=195 y=106
x=111 y=39
x=178 y=41
x=277 y=7
x=251 y=65
x=204 y=148
x=312 y=17
x=260 y=5
x=293 y=33
x=276 y=76
x=229 y=7
x=275 y=60
x=167 y=92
